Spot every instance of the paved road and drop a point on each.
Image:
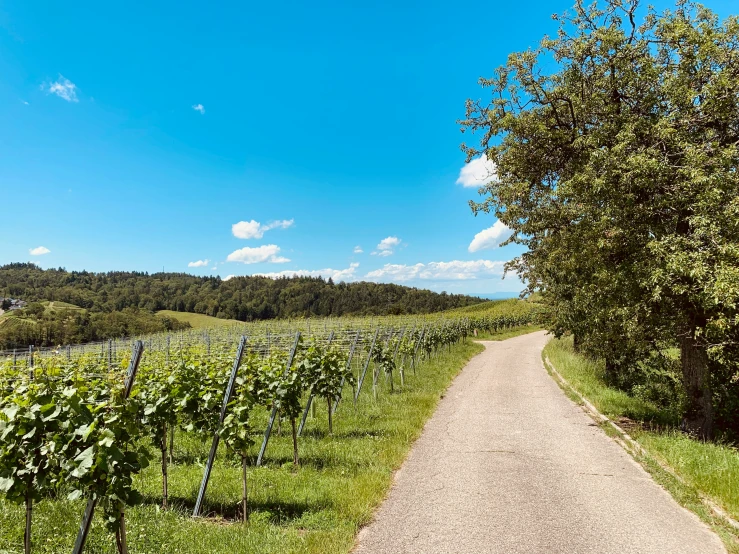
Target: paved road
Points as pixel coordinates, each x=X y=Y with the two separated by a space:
x=509 y=464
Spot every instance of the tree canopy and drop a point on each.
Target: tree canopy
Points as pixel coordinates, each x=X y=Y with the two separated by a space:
x=122 y=303
x=616 y=147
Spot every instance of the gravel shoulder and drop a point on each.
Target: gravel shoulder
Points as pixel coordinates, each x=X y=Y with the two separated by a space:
x=509 y=464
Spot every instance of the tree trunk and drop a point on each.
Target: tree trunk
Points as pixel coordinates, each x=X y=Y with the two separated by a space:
x=576 y=341
x=120 y=535
x=611 y=372
x=330 y=420
x=698 y=415
x=295 y=441
x=29 y=514
x=165 y=488
x=244 y=503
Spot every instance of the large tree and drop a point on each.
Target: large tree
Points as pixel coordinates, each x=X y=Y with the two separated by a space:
x=616 y=147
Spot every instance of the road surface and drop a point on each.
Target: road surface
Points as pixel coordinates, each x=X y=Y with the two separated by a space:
x=509 y=464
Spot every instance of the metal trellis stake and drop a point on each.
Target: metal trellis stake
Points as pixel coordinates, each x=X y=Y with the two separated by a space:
x=366 y=365
x=395 y=357
x=216 y=436
x=30 y=361
x=272 y=416
x=133 y=367
x=415 y=350
x=348 y=367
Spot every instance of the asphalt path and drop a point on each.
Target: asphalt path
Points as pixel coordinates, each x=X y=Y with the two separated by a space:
x=509 y=464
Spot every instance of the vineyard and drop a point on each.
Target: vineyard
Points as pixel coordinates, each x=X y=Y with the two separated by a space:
x=110 y=441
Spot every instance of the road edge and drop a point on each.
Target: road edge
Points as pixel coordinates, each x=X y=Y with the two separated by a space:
x=643 y=457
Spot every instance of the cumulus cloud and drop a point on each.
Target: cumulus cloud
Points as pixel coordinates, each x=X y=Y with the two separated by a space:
x=63 y=88
x=491 y=237
x=39 y=251
x=386 y=247
x=265 y=253
x=228 y=277
x=199 y=108
x=358 y=250
x=255 y=230
x=348 y=274
x=199 y=263
x=438 y=271
x=477 y=173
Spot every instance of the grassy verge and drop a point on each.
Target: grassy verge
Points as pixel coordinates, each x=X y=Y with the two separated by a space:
x=710 y=470
x=317 y=508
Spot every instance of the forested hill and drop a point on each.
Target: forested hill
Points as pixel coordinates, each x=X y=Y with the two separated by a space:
x=242 y=298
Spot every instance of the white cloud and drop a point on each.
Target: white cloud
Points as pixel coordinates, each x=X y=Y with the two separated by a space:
x=386 y=247
x=491 y=237
x=348 y=274
x=255 y=230
x=228 y=277
x=358 y=250
x=477 y=173
x=39 y=251
x=199 y=108
x=438 y=271
x=265 y=253
x=199 y=263
x=63 y=88
x=214 y=268
x=25 y=103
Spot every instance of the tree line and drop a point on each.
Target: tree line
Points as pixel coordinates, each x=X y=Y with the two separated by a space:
x=119 y=302
x=616 y=147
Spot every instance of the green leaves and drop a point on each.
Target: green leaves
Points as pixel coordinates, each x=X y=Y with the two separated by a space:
x=85 y=460
x=616 y=168
x=322 y=369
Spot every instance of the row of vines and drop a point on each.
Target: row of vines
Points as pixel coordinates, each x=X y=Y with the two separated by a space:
x=84 y=426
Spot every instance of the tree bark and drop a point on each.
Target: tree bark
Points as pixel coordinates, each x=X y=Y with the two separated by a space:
x=295 y=441
x=611 y=372
x=576 y=341
x=698 y=414
x=120 y=535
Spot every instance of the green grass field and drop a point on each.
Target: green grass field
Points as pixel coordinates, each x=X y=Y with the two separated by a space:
x=198 y=321
x=317 y=508
x=707 y=469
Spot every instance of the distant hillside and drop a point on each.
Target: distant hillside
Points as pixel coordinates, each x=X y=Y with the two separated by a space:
x=241 y=298
x=197 y=321
x=497 y=307
x=51 y=323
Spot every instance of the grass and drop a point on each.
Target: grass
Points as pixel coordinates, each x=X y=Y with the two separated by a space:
x=706 y=469
x=318 y=508
x=198 y=321
x=53 y=306
x=509 y=333
x=489 y=307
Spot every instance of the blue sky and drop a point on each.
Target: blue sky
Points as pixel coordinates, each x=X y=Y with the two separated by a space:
x=253 y=137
